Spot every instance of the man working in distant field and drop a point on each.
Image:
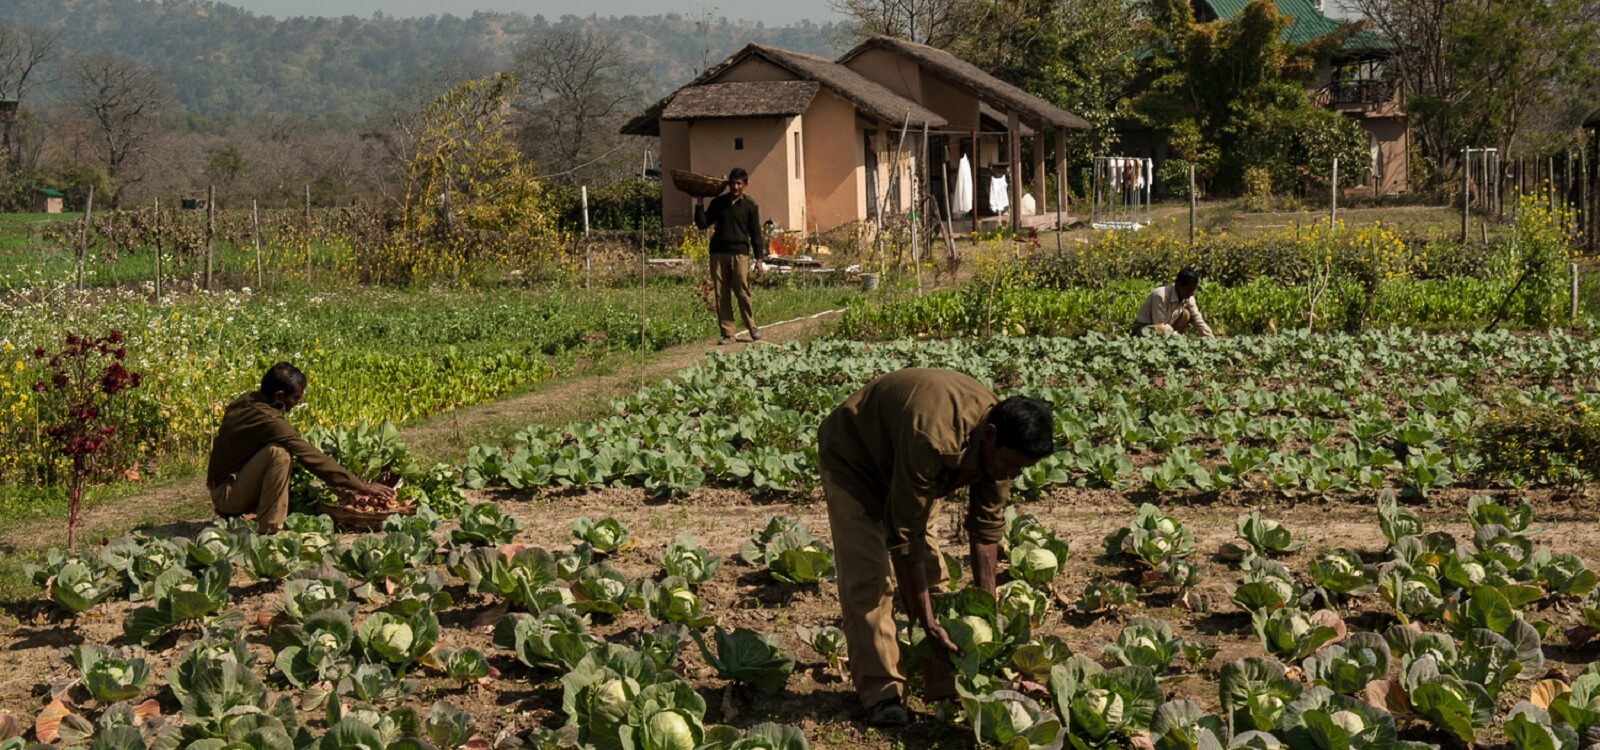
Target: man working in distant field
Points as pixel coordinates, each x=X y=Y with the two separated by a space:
x=887 y=455
x=250 y=457
x=736 y=233
x=1172 y=309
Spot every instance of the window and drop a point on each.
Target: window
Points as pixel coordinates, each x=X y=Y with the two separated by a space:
x=738 y=144
x=799 y=157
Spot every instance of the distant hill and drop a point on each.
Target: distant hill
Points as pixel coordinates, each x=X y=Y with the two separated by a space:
x=227 y=61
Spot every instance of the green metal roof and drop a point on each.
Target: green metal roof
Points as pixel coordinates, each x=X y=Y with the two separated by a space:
x=1306 y=23
x=51 y=192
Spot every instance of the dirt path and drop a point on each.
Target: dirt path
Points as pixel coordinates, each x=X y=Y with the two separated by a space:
x=443 y=437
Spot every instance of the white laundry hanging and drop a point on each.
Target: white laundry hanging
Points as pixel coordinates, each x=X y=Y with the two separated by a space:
x=999 y=194
x=962 y=200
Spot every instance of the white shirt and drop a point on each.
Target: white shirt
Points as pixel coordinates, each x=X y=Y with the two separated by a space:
x=1162 y=307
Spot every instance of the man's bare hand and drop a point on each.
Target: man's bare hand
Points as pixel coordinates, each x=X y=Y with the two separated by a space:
x=941 y=640
x=378 y=490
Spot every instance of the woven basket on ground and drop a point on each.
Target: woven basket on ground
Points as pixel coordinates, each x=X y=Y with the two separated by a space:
x=696 y=184
x=349 y=518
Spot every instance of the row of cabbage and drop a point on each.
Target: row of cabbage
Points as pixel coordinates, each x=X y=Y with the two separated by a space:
x=358 y=633
x=1290 y=413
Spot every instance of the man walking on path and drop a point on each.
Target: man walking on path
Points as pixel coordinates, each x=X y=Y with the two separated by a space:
x=1172 y=309
x=887 y=455
x=250 y=456
x=736 y=234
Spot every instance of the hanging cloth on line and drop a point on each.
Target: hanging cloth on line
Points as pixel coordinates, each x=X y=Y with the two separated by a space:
x=961 y=202
x=999 y=193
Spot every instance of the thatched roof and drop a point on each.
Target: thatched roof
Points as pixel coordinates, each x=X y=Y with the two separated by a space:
x=714 y=100
x=871 y=99
x=971 y=77
x=1593 y=120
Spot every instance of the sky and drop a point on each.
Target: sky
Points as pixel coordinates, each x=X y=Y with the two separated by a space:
x=772 y=12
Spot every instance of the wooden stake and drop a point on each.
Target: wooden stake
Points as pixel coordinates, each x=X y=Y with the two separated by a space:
x=1466 y=188
x=83 y=236
x=211 y=229
x=255 y=230
x=1574 y=297
x=308 y=234
x=1333 y=199
x=158 y=250
x=1193 y=205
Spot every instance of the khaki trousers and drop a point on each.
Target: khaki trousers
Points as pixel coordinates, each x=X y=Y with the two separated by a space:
x=866 y=596
x=261 y=487
x=730 y=280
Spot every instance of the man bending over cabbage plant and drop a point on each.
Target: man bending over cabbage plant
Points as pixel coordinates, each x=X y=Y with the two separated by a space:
x=887 y=456
x=251 y=454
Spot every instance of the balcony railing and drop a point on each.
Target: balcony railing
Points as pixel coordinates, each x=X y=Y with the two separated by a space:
x=1361 y=92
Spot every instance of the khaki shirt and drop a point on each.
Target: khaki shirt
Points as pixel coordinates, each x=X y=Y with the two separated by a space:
x=904 y=441
x=249 y=424
x=1163 y=307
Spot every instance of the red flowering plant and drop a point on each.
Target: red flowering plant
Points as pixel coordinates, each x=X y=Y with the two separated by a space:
x=79 y=395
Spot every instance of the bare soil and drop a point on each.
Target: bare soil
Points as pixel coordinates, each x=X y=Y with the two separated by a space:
x=819 y=701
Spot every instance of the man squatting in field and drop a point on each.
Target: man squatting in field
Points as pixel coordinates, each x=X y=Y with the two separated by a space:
x=887 y=455
x=250 y=456
x=735 y=220
x=1172 y=309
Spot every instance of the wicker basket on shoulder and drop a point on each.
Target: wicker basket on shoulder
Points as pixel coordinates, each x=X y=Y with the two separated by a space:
x=347 y=518
x=698 y=185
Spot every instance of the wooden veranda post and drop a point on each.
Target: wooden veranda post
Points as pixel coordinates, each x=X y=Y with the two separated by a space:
x=1040 y=184
x=1014 y=167
x=976 y=196
x=1061 y=177
x=83 y=236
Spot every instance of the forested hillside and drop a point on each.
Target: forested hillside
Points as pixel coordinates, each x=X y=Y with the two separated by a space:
x=228 y=61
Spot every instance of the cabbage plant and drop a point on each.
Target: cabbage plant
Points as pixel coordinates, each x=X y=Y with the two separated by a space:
x=315 y=650
x=665 y=716
x=180 y=598
x=274 y=557
x=606 y=536
x=1341 y=573
x=749 y=657
x=1289 y=633
x=109 y=676
x=556 y=638
x=464 y=665
x=1264 y=535
x=1145 y=642
x=1255 y=693
x=485 y=525
x=1103 y=707
x=1529 y=727
x=600 y=589
x=1151 y=538
x=398 y=641
x=1037 y=564
x=1346 y=667
x=1580 y=706
x=1486 y=511
x=1018 y=599
x=1009 y=719
x=1102 y=594
x=685 y=558
x=754 y=551
x=672 y=600
x=306 y=594
x=828 y=641
x=1322 y=720
x=1184 y=725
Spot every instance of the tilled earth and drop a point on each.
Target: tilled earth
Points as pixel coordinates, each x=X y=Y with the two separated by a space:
x=817 y=699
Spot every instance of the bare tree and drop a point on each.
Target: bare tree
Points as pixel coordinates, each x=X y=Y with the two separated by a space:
x=578 y=84
x=122 y=100
x=938 y=23
x=24 y=53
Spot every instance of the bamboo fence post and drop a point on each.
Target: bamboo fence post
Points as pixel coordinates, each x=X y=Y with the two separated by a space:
x=158 y=250
x=307 y=204
x=1193 y=205
x=83 y=235
x=255 y=232
x=1466 y=193
x=211 y=229
x=1333 y=199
